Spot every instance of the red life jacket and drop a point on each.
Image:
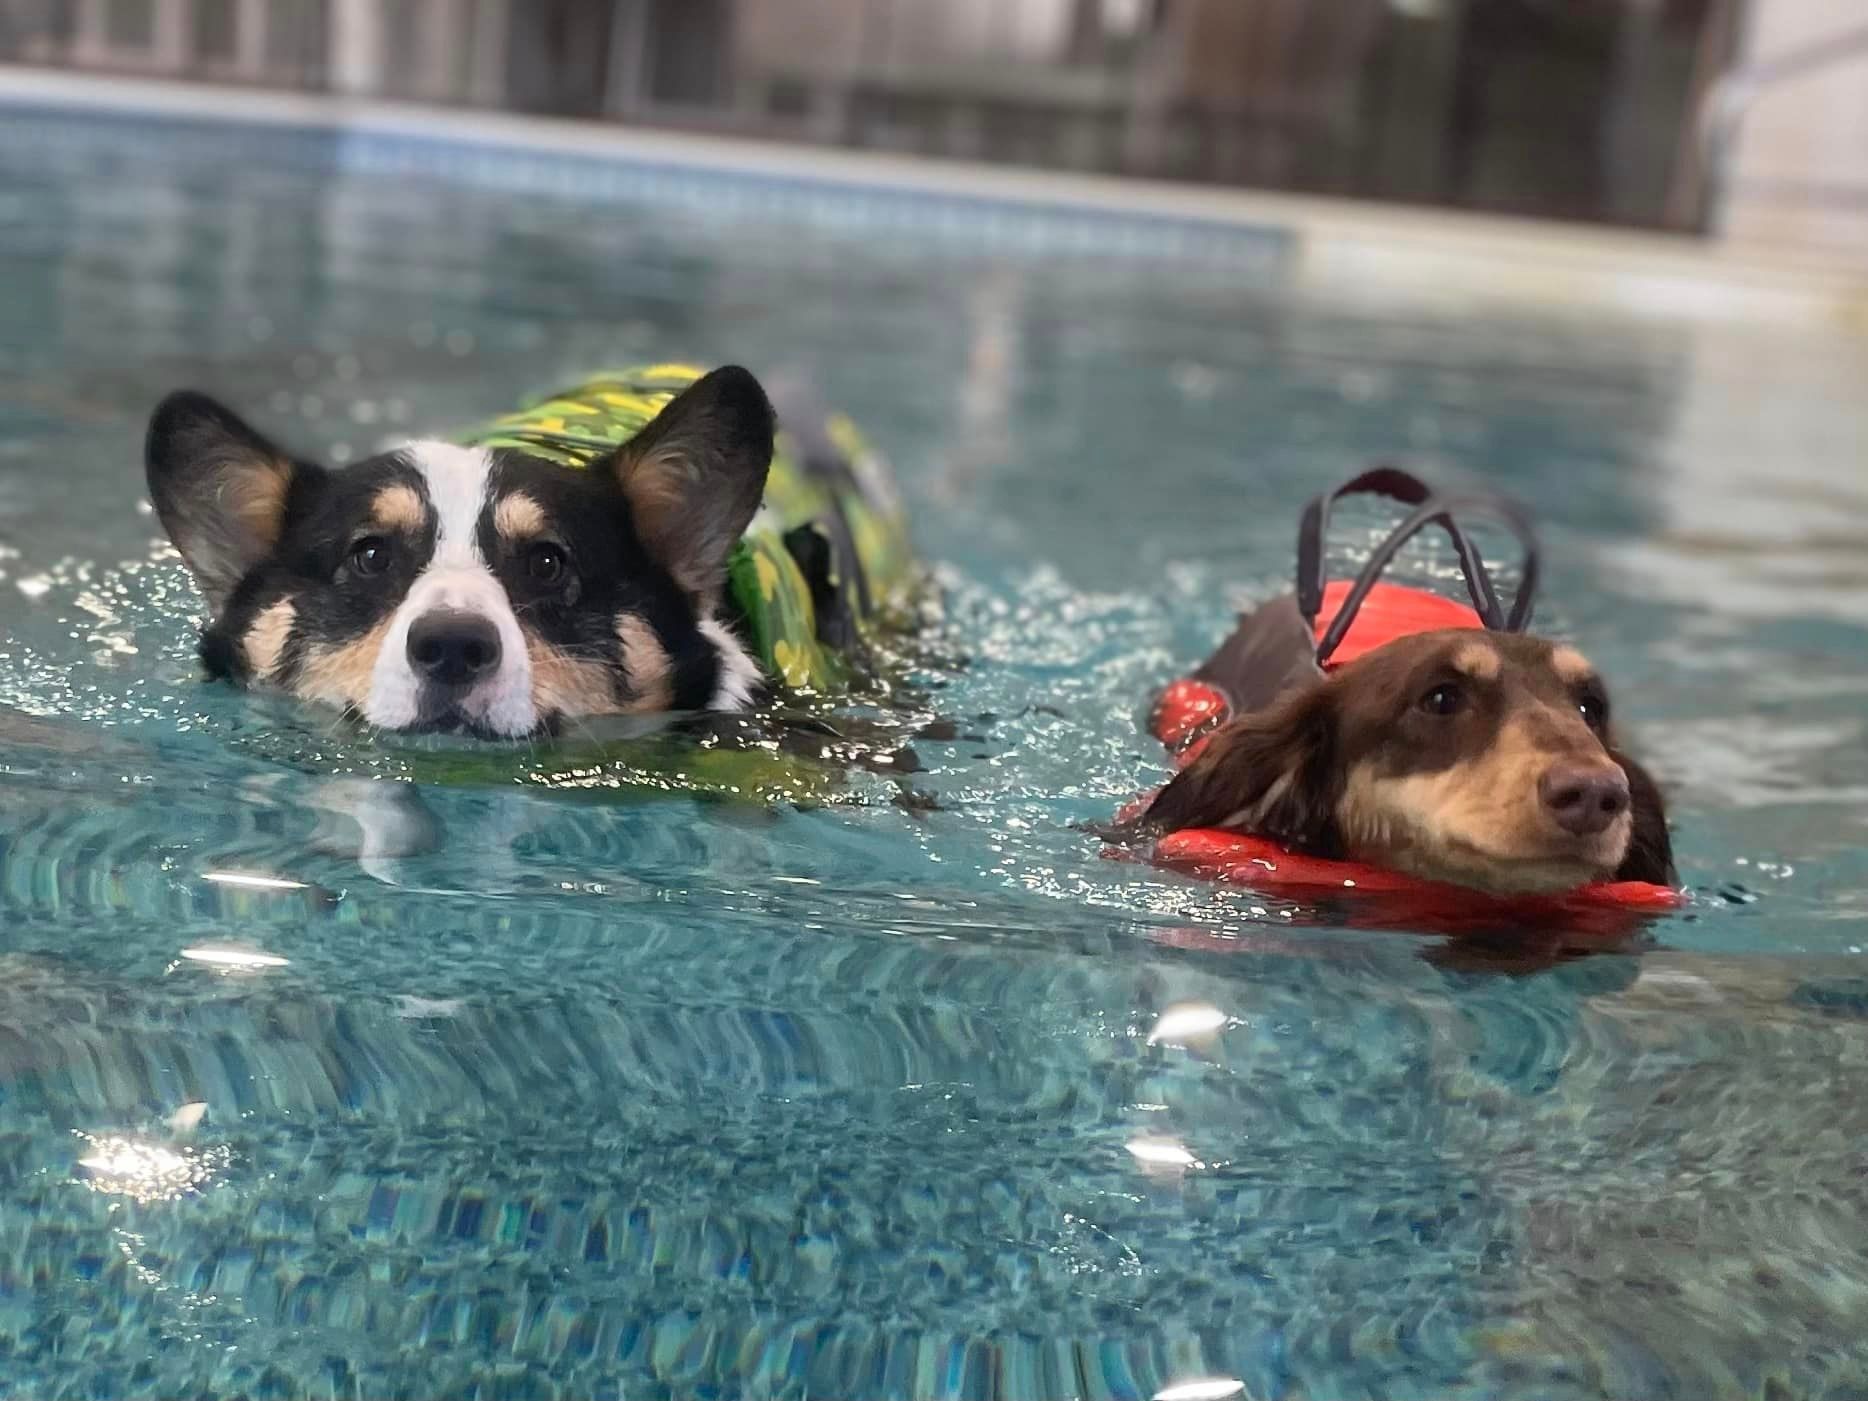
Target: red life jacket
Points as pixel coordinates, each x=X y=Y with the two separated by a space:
x=1299 y=637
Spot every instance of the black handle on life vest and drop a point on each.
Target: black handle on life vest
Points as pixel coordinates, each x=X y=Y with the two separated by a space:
x=1409 y=490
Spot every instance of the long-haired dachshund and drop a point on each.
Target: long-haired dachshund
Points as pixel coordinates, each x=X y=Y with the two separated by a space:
x=1482 y=759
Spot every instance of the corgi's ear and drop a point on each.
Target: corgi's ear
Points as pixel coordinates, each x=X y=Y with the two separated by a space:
x=695 y=476
x=219 y=488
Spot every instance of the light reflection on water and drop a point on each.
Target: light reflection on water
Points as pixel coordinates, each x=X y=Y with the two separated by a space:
x=145 y=1171
x=522 y=1081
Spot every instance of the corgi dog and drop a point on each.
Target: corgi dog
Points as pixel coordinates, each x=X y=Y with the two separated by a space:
x=610 y=550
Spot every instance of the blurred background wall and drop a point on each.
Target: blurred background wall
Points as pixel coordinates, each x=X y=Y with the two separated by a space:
x=1799 y=165
x=1572 y=109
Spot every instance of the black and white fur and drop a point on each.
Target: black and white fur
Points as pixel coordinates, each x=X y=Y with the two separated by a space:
x=483 y=590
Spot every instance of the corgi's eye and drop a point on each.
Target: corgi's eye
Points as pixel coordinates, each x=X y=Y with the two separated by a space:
x=1444 y=699
x=545 y=563
x=370 y=555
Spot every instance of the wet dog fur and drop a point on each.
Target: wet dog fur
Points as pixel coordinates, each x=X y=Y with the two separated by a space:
x=439 y=587
x=1480 y=759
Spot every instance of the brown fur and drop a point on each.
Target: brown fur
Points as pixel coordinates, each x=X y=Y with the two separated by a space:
x=518 y=517
x=341 y=675
x=265 y=639
x=1358 y=765
x=659 y=484
x=695 y=475
x=1477 y=661
x=647 y=665
x=1571 y=664
x=564 y=684
x=256 y=498
x=398 y=507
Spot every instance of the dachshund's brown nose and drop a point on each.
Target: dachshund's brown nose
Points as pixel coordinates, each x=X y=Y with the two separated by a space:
x=1584 y=801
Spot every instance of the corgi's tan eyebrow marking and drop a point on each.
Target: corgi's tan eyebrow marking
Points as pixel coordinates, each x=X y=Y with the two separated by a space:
x=518 y=516
x=398 y=507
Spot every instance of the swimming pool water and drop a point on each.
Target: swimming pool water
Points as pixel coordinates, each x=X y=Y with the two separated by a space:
x=518 y=1090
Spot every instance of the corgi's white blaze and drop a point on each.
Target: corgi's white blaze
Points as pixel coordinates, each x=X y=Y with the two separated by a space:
x=456 y=577
x=739 y=674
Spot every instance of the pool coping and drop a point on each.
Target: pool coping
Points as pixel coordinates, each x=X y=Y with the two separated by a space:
x=1364 y=249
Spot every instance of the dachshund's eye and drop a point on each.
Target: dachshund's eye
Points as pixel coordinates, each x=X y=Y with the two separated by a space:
x=370 y=556
x=1595 y=709
x=545 y=563
x=1444 y=699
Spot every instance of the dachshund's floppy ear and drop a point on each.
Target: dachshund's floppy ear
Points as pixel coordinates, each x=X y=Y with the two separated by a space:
x=1270 y=774
x=219 y=488
x=1650 y=847
x=695 y=476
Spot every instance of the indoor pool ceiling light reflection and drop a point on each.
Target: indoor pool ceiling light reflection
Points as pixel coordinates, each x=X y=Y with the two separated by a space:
x=235 y=960
x=1186 y=1022
x=1160 y=1153
x=244 y=881
x=1202 y=1389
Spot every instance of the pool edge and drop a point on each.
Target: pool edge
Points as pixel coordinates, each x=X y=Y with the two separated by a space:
x=1370 y=249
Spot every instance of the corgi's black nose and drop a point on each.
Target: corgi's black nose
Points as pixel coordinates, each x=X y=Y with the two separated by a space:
x=447 y=648
x=1584 y=801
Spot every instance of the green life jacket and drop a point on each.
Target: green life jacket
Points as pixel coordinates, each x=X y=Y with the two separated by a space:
x=825 y=559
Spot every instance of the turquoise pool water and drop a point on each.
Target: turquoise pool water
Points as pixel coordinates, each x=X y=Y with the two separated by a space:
x=514 y=1091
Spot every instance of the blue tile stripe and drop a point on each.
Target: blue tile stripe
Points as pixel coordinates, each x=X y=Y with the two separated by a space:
x=985 y=223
